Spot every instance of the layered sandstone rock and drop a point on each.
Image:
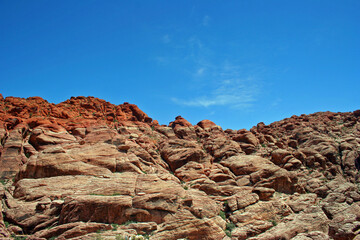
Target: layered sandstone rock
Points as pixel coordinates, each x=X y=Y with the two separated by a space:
x=88 y=169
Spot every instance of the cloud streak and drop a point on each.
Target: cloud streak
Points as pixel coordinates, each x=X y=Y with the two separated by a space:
x=235 y=93
x=215 y=80
x=166 y=39
x=200 y=71
x=205 y=21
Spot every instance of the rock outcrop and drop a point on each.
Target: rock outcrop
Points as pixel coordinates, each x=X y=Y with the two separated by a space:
x=88 y=169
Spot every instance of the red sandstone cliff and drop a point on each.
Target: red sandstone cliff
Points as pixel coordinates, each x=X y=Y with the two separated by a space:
x=88 y=169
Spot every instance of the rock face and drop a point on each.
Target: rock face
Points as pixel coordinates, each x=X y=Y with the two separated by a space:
x=88 y=169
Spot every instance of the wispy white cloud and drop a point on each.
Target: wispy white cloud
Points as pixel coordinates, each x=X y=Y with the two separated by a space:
x=235 y=93
x=205 y=20
x=195 y=42
x=214 y=81
x=161 y=60
x=200 y=71
x=166 y=38
x=276 y=102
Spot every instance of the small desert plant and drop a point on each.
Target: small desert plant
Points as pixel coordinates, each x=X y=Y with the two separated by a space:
x=114 y=226
x=228 y=233
x=129 y=222
x=19 y=237
x=230 y=226
x=7 y=224
x=222 y=215
x=3 y=181
x=274 y=223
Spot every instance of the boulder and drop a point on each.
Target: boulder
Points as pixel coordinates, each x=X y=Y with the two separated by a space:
x=263 y=173
x=308 y=221
x=179 y=152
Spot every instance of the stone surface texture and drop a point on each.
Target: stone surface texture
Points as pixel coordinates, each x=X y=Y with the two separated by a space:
x=88 y=169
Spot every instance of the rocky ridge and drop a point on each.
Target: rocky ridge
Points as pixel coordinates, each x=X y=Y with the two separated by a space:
x=88 y=169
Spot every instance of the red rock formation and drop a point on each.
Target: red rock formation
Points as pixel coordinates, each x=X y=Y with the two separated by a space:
x=88 y=169
x=32 y=124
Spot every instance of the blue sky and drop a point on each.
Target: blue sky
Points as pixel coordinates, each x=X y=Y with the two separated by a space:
x=236 y=63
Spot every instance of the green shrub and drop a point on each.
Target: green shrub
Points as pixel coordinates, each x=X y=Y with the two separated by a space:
x=114 y=226
x=274 y=223
x=229 y=228
x=222 y=215
x=19 y=237
x=129 y=222
x=3 y=181
x=7 y=224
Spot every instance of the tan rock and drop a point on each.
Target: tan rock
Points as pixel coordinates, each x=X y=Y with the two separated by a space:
x=263 y=173
x=200 y=205
x=62 y=186
x=264 y=193
x=191 y=171
x=185 y=225
x=179 y=152
x=247 y=137
x=278 y=156
x=251 y=229
x=344 y=222
x=99 y=133
x=221 y=147
x=12 y=156
x=212 y=188
x=314 y=235
x=219 y=173
x=43 y=137
x=241 y=200
x=311 y=220
x=300 y=202
x=4 y=233
x=55 y=163
x=70 y=230
x=142 y=227
x=261 y=211
x=103 y=209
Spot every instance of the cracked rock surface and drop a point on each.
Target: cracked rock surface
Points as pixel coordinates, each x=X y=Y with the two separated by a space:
x=88 y=169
